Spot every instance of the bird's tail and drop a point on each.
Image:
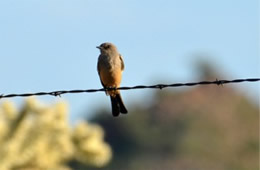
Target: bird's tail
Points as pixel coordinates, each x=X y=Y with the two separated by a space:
x=117 y=105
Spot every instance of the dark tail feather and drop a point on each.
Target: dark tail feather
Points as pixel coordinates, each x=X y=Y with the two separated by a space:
x=115 y=106
x=121 y=104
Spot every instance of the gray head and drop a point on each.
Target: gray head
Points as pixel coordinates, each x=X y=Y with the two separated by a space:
x=107 y=48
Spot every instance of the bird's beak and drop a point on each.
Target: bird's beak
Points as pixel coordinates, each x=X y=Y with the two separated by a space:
x=98 y=47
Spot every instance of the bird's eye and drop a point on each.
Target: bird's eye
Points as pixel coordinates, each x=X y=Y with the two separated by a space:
x=107 y=46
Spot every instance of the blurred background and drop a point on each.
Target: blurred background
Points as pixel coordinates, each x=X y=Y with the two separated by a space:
x=50 y=45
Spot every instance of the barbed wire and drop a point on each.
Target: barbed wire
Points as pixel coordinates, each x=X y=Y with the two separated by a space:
x=157 y=86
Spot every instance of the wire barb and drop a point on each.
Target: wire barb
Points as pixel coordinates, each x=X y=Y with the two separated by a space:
x=157 y=86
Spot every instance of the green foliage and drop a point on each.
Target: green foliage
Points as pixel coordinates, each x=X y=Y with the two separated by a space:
x=38 y=137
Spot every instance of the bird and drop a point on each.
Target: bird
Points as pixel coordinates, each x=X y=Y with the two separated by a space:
x=110 y=67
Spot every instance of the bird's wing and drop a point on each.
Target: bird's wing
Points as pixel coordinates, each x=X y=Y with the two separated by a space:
x=98 y=69
x=122 y=62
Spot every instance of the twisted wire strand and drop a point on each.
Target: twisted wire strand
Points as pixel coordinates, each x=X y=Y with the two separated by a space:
x=157 y=86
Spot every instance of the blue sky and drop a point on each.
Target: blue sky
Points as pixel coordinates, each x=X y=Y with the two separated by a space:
x=50 y=45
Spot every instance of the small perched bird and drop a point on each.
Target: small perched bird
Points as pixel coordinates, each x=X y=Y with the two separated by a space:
x=110 y=67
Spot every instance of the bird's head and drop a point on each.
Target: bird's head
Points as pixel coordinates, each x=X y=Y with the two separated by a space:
x=107 y=48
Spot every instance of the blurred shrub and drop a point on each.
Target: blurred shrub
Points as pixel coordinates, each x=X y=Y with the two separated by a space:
x=39 y=137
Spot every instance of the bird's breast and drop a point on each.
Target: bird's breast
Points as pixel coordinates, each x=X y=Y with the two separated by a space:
x=110 y=71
